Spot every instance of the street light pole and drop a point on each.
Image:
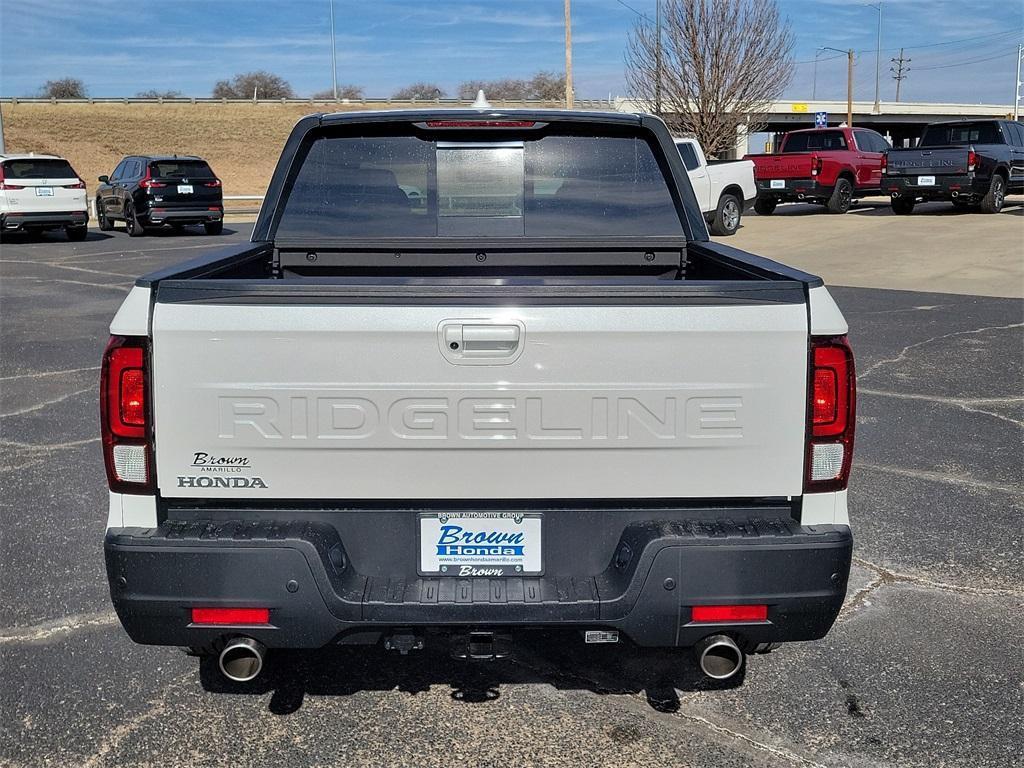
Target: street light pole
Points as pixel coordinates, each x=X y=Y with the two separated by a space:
x=814 y=81
x=568 y=56
x=1016 y=91
x=334 y=57
x=878 y=56
x=849 y=82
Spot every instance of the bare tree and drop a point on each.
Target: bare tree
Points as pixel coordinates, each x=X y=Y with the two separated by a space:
x=718 y=65
x=344 y=92
x=419 y=91
x=65 y=88
x=244 y=85
x=154 y=93
x=546 y=86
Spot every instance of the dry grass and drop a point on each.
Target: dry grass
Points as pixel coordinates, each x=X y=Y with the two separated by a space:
x=242 y=142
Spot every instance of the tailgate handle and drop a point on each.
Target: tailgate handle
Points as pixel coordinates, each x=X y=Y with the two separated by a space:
x=490 y=339
x=481 y=343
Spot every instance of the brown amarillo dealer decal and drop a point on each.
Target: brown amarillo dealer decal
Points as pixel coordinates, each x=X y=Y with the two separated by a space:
x=219 y=472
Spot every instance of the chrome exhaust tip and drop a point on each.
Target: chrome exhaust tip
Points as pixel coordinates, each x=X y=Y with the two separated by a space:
x=719 y=657
x=242 y=659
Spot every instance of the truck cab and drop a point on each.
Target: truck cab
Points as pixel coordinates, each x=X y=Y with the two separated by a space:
x=724 y=188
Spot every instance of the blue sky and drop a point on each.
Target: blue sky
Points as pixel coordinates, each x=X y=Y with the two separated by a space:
x=119 y=48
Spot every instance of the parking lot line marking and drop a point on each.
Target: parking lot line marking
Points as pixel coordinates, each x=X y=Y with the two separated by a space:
x=41 y=374
x=941 y=477
x=123 y=252
x=65 y=266
x=112 y=286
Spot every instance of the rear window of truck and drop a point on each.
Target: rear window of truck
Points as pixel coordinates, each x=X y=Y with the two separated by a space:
x=33 y=168
x=180 y=169
x=961 y=134
x=816 y=140
x=414 y=186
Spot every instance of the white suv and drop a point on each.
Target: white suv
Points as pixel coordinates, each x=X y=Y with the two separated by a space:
x=40 y=192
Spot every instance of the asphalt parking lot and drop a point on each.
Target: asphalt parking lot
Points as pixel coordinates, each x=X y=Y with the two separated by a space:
x=923 y=668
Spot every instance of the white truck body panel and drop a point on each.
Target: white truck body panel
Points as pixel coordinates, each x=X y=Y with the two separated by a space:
x=599 y=402
x=710 y=181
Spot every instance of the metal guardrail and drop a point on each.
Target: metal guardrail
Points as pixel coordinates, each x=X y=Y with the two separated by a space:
x=600 y=104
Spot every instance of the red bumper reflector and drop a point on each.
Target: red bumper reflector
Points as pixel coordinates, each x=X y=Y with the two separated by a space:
x=230 y=615
x=719 y=613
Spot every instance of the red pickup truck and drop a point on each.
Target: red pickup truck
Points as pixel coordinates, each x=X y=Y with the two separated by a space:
x=830 y=166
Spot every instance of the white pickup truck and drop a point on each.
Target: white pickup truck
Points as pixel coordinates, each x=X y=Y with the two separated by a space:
x=538 y=397
x=724 y=188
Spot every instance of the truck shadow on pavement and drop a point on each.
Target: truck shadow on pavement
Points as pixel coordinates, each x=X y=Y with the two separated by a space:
x=561 y=661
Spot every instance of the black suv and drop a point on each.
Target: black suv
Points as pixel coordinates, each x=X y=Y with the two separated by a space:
x=149 y=191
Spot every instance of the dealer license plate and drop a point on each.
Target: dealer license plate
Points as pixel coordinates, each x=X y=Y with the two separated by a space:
x=778 y=184
x=926 y=181
x=481 y=544
x=44 y=191
x=184 y=189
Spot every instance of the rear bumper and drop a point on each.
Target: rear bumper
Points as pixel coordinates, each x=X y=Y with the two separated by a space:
x=201 y=215
x=793 y=190
x=301 y=571
x=43 y=220
x=945 y=187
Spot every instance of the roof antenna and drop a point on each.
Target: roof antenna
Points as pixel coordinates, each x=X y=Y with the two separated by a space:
x=481 y=101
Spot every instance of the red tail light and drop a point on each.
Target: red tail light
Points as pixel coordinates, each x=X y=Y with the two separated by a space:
x=79 y=185
x=815 y=165
x=214 y=183
x=719 y=613
x=148 y=183
x=885 y=163
x=831 y=413
x=972 y=159
x=124 y=415
x=230 y=615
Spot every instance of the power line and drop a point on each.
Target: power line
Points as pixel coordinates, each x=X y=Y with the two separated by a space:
x=634 y=10
x=968 y=61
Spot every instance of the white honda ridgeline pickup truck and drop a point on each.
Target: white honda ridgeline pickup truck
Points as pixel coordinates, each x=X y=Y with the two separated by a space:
x=535 y=395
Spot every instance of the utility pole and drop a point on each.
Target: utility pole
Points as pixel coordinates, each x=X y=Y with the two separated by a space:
x=568 y=54
x=899 y=71
x=849 y=88
x=878 y=56
x=657 y=60
x=1016 y=91
x=334 y=57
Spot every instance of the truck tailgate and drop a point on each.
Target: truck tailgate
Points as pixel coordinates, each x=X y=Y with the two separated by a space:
x=927 y=162
x=367 y=401
x=791 y=166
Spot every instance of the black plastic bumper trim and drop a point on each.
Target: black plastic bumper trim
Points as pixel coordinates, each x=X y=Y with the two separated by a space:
x=300 y=570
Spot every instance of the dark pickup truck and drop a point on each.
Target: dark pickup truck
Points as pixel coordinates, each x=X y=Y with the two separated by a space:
x=969 y=163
